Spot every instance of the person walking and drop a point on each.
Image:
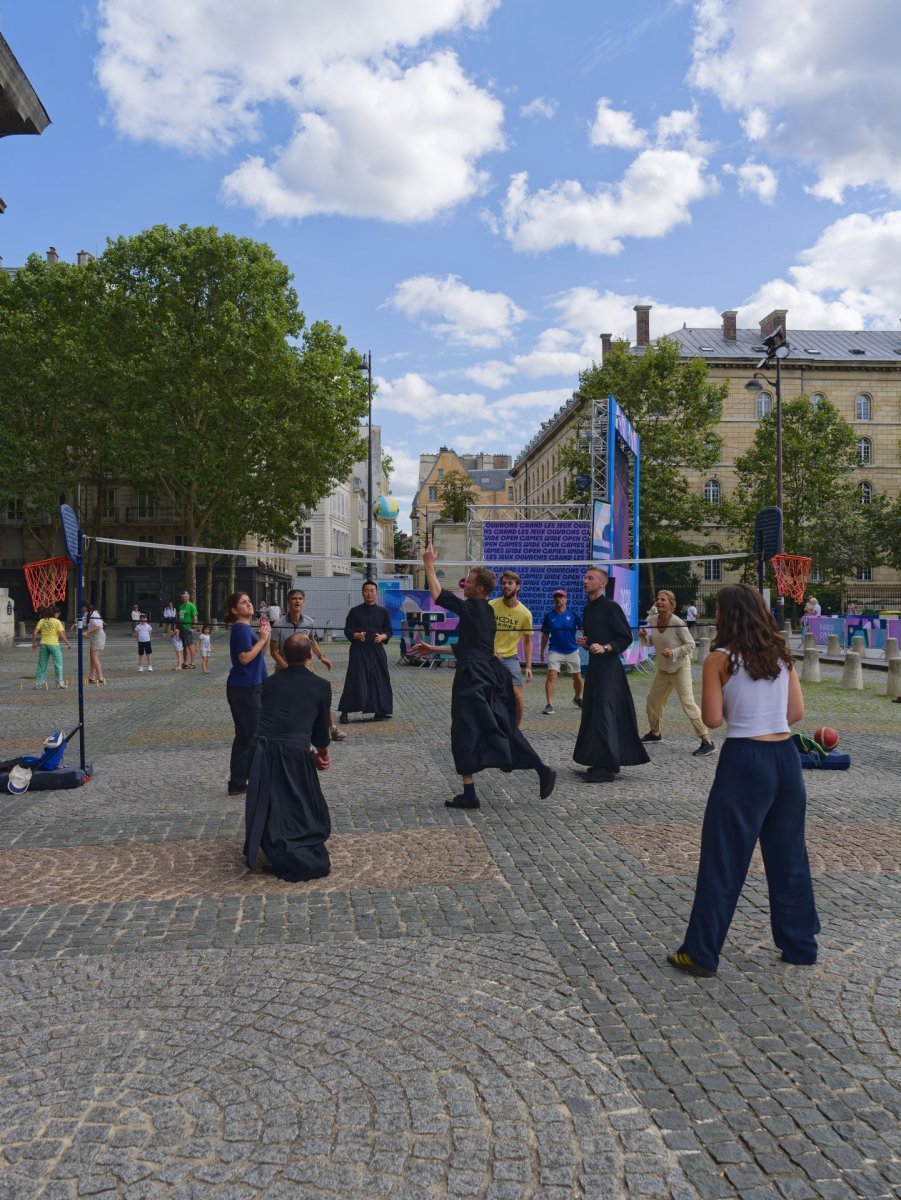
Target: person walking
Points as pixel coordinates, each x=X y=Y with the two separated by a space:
x=294 y=621
x=50 y=631
x=673 y=648
x=244 y=684
x=143 y=631
x=367 y=684
x=187 y=619
x=484 y=730
x=691 y=616
x=608 y=733
x=558 y=630
x=514 y=627
x=758 y=791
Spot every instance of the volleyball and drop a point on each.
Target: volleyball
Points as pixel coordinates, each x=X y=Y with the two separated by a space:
x=386 y=510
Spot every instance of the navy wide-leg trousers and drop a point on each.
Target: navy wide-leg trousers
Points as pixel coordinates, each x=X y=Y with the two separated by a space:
x=758 y=793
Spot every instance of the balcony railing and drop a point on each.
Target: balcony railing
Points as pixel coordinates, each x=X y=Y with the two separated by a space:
x=159 y=514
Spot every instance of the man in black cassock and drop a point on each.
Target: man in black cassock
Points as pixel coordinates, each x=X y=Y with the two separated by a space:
x=608 y=734
x=367 y=685
x=484 y=732
x=285 y=812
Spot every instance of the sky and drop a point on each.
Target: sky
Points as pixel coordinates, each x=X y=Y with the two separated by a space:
x=475 y=190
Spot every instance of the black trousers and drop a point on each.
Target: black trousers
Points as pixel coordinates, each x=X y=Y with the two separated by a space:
x=244 y=703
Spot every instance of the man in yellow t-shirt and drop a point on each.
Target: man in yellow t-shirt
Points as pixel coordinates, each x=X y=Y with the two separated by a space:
x=49 y=629
x=514 y=625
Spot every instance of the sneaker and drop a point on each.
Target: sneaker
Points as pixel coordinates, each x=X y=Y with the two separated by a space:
x=577 y=700
x=140 y=670
x=704 y=749
x=548 y=710
x=683 y=961
x=652 y=737
x=150 y=668
x=62 y=685
x=336 y=735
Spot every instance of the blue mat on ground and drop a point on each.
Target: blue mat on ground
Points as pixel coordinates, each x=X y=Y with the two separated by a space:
x=48 y=781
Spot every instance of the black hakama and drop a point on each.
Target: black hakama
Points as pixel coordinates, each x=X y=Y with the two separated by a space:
x=484 y=732
x=367 y=685
x=285 y=811
x=608 y=733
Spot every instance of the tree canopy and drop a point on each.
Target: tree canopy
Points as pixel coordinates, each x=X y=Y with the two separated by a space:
x=456 y=491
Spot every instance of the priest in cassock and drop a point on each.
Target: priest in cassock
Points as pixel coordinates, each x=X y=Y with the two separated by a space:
x=608 y=735
x=285 y=812
x=367 y=686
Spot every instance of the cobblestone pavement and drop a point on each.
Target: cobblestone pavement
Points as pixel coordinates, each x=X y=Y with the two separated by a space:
x=471 y=1005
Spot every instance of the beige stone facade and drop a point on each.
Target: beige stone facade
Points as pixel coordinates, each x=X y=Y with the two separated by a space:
x=490 y=475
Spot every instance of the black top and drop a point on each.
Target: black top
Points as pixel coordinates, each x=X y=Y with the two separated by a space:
x=475 y=633
x=295 y=702
x=369 y=619
x=603 y=621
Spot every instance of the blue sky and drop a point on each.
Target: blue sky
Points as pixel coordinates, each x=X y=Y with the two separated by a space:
x=476 y=189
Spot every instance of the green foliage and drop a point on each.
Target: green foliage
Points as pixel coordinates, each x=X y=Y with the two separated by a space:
x=456 y=491
x=674 y=407
x=883 y=517
x=822 y=514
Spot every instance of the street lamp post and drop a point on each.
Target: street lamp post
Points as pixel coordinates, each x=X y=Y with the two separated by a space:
x=366 y=365
x=777 y=347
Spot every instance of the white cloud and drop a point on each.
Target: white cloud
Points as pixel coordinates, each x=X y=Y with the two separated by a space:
x=373 y=136
x=612 y=127
x=588 y=313
x=491 y=374
x=413 y=396
x=818 y=80
x=755 y=179
x=654 y=195
x=465 y=315
x=539 y=107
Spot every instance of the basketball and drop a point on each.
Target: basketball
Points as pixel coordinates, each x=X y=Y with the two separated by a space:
x=386 y=510
x=827 y=737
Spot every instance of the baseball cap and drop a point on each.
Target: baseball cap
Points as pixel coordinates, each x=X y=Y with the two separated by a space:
x=560 y=592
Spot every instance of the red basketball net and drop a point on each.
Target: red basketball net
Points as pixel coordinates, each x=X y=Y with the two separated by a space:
x=46 y=581
x=792 y=574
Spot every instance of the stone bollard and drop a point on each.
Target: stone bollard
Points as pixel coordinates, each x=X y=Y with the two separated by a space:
x=809 y=641
x=891 y=648
x=810 y=668
x=859 y=645
x=893 y=683
x=834 y=646
x=20 y=630
x=703 y=648
x=852 y=672
x=787 y=630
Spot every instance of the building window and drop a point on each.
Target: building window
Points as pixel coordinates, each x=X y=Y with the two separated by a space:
x=433 y=493
x=866 y=492
x=109 y=504
x=305 y=540
x=713 y=568
x=764 y=405
x=712 y=491
x=816 y=575
x=509 y=493
x=864 y=451
x=864 y=574
x=145 y=556
x=14 y=510
x=178 y=555
x=816 y=400
x=863 y=407
x=441 y=472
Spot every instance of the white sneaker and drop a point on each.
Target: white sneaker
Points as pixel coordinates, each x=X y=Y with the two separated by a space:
x=62 y=685
x=150 y=668
x=140 y=670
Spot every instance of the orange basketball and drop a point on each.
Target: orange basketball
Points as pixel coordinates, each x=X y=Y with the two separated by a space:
x=827 y=737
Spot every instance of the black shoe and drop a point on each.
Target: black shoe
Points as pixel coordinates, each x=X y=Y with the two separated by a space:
x=462 y=802
x=704 y=749
x=577 y=700
x=683 y=961
x=342 y=720
x=382 y=717
x=237 y=791
x=600 y=775
x=547 y=778
x=652 y=737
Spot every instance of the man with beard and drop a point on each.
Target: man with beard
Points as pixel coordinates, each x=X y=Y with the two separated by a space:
x=367 y=686
x=484 y=732
x=285 y=813
x=294 y=621
x=608 y=734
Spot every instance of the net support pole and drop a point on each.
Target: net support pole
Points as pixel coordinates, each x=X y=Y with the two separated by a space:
x=79 y=575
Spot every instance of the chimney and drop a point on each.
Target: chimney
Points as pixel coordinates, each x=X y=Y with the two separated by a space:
x=775 y=320
x=52 y=256
x=643 y=324
x=730 y=332
x=83 y=258
x=606 y=339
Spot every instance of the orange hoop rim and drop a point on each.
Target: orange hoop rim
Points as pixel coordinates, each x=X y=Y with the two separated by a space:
x=46 y=580
x=792 y=573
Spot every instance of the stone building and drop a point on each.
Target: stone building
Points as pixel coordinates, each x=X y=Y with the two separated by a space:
x=859 y=372
x=490 y=475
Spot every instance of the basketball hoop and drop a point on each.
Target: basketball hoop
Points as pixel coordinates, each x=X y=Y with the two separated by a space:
x=46 y=581
x=792 y=574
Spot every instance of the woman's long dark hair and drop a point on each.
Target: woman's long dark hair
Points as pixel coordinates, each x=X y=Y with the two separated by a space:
x=231 y=602
x=746 y=628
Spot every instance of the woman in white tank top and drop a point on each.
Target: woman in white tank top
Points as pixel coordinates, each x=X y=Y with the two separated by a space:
x=758 y=791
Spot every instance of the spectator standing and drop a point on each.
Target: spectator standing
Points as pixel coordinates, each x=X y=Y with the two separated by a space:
x=673 y=648
x=135 y=616
x=294 y=621
x=187 y=619
x=514 y=626
x=245 y=682
x=367 y=684
x=691 y=616
x=558 y=638
x=206 y=648
x=169 y=615
x=143 y=631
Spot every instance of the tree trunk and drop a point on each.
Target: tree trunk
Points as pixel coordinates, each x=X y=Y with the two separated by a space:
x=211 y=562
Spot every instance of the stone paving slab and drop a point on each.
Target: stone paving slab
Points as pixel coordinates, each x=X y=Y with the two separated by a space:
x=513 y=1034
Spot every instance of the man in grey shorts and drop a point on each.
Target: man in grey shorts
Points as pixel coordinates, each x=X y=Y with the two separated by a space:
x=294 y=621
x=559 y=628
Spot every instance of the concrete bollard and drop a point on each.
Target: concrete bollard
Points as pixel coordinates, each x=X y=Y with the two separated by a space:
x=703 y=648
x=20 y=630
x=893 y=683
x=787 y=630
x=834 y=646
x=810 y=668
x=891 y=648
x=852 y=672
x=809 y=641
x=859 y=645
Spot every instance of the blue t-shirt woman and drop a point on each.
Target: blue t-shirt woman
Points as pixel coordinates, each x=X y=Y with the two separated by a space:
x=244 y=684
